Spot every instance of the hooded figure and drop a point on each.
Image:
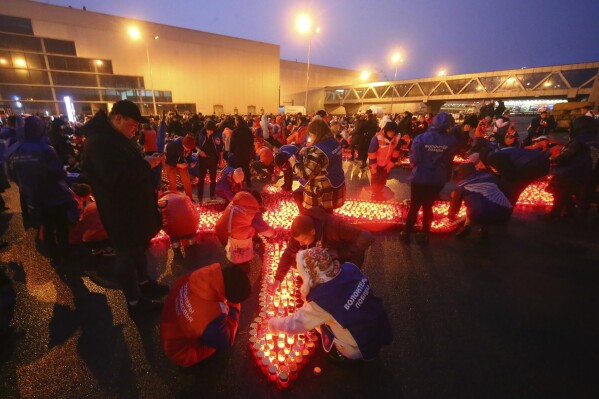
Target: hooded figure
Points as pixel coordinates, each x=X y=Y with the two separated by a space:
x=340 y=301
x=431 y=157
x=35 y=166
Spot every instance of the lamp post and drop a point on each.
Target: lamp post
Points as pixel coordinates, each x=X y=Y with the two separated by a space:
x=303 y=24
x=135 y=34
x=395 y=59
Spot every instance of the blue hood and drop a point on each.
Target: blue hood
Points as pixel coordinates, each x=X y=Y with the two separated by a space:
x=34 y=129
x=440 y=123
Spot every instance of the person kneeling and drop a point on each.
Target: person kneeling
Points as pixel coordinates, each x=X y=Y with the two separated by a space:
x=485 y=203
x=339 y=301
x=201 y=313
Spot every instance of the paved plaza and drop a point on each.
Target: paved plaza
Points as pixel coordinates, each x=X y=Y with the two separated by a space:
x=511 y=316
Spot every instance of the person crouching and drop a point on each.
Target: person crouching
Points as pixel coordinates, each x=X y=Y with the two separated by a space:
x=201 y=313
x=485 y=203
x=340 y=302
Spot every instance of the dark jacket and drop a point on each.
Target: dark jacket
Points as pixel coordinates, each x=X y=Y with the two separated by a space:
x=350 y=241
x=242 y=145
x=574 y=163
x=122 y=184
x=35 y=166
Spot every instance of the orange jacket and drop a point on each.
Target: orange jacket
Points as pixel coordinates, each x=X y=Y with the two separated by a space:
x=180 y=218
x=244 y=207
x=196 y=301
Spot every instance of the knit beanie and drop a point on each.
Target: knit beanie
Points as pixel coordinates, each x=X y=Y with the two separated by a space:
x=316 y=266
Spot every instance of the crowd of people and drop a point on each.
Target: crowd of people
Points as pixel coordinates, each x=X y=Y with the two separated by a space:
x=99 y=182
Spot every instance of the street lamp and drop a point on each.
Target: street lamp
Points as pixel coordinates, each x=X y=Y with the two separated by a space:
x=442 y=72
x=135 y=34
x=395 y=59
x=303 y=24
x=365 y=75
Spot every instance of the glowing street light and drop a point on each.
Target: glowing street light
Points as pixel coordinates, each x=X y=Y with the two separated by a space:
x=135 y=34
x=303 y=24
x=442 y=72
x=395 y=59
x=365 y=75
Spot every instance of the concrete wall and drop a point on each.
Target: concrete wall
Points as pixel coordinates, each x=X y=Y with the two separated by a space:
x=198 y=67
x=293 y=83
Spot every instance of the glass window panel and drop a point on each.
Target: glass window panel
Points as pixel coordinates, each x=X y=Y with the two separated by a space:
x=73 y=79
x=41 y=93
x=352 y=95
x=381 y=90
x=490 y=83
x=119 y=81
x=20 y=43
x=510 y=84
x=427 y=87
x=39 y=78
x=390 y=93
x=577 y=77
x=15 y=25
x=441 y=90
x=35 y=61
x=554 y=81
x=104 y=66
x=10 y=92
x=530 y=80
x=457 y=84
x=473 y=87
x=359 y=92
x=78 y=94
x=5 y=59
x=60 y=46
x=369 y=93
x=403 y=88
x=414 y=91
x=589 y=85
x=169 y=95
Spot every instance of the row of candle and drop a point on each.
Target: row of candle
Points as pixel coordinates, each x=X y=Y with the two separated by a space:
x=281 y=210
x=280 y=356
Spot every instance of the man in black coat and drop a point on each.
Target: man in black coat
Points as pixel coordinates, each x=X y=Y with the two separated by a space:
x=122 y=184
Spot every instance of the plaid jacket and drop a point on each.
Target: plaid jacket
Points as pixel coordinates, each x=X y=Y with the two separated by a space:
x=318 y=190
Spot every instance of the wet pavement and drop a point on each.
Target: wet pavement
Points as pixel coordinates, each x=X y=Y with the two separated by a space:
x=511 y=316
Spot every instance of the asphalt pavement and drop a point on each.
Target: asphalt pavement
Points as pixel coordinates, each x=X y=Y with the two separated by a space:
x=513 y=316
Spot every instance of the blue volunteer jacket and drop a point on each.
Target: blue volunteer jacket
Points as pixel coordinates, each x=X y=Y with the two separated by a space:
x=485 y=202
x=432 y=154
x=331 y=148
x=350 y=300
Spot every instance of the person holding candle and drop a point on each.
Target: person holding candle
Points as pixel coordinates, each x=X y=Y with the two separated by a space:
x=346 y=242
x=321 y=166
x=383 y=153
x=339 y=302
x=201 y=313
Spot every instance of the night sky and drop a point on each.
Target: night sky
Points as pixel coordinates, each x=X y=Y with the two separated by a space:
x=459 y=36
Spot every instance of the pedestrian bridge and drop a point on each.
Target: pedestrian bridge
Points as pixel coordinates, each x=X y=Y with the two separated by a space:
x=574 y=82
